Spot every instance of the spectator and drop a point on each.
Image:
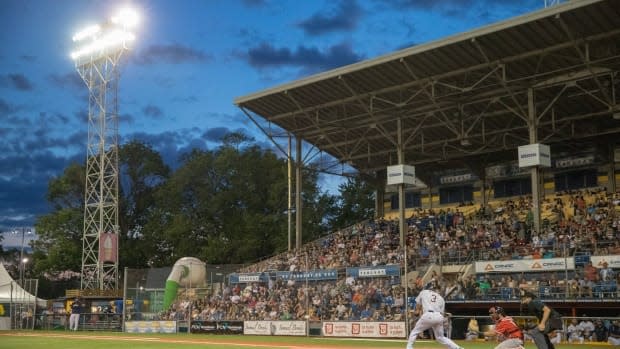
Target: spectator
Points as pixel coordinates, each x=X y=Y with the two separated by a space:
x=614 y=333
x=473 y=330
x=555 y=337
x=574 y=332
x=607 y=279
x=600 y=332
x=587 y=327
x=367 y=313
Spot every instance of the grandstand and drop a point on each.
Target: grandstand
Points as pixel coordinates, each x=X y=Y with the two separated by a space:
x=457 y=109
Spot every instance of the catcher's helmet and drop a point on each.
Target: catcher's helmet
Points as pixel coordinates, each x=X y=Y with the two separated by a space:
x=498 y=310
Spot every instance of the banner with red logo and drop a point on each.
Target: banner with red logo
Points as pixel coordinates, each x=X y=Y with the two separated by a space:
x=108 y=247
x=364 y=329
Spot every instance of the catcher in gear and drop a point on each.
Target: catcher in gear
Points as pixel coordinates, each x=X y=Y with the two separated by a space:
x=506 y=330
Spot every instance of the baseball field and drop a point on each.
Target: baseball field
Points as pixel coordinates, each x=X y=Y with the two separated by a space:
x=107 y=340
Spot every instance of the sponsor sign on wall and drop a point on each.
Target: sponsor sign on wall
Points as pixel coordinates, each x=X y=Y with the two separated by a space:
x=248 y=277
x=310 y=275
x=574 y=161
x=534 y=155
x=613 y=261
x=401 y=174
x=151 y=326
x=544 y=264
x=364 y=329
x=465 y=177
x=217 y=327
x=275 y=328
x=371 y=272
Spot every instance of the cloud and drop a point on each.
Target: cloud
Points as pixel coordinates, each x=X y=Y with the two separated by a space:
x=215 y=134
x=71 y=80
x=431 y=5
x=5 y=107
x=17 y=81
x=171 y=144
x=311 y=58
x=461 y=8
x=344 y=18
x=23 y=185
x=171 y=54
x=152 y=111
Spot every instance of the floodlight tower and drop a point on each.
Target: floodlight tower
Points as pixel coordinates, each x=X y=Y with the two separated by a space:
x=99 y=49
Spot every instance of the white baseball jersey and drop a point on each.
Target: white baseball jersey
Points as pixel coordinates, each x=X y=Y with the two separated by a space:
x=431 y=301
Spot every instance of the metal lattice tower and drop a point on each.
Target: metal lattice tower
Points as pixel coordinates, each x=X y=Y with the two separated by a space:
x=97 y=62
x=101 y=188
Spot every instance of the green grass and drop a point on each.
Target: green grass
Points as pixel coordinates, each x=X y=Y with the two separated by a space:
x=107 y=340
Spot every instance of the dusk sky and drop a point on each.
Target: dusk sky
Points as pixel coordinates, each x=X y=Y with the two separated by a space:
x=190 y=60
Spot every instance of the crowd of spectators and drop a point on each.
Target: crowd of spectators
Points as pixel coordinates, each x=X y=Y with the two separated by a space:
x=576 y=223
x=597 y=330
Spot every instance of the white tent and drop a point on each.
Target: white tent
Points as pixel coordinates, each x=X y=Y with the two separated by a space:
x=12 y=292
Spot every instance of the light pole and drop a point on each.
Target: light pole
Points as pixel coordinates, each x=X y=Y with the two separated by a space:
x=22 y=260
x=98 y=52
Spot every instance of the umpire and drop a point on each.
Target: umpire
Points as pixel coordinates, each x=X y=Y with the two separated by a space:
x=548 y=320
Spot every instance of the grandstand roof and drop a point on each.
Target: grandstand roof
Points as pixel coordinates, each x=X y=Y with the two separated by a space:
x=463 y=99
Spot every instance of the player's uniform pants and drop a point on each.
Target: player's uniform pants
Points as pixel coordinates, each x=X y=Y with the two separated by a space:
x=432 y=320
x=74 y=320
x=510 y=343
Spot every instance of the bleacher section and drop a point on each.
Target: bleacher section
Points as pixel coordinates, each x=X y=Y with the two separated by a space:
x=359 y=272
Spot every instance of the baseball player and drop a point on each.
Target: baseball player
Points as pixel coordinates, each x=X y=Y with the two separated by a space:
x=430 y=307
x=506 y=330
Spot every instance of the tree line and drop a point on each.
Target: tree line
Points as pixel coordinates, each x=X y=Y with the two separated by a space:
x=224 y=206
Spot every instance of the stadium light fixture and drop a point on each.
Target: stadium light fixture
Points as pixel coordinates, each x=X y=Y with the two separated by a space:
x=95 y=41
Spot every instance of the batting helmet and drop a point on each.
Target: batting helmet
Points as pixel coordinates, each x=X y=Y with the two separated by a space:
x=432 y=285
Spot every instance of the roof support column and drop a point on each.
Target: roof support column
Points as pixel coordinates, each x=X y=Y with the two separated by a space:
x=532 y=123
x=401 y=187
x=289 y=211
x=611 y=173
x=298 y=204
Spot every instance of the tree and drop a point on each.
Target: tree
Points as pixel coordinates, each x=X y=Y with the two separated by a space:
x=59 y=246
x=142 y=172
x=226 y=205
x=356 y=202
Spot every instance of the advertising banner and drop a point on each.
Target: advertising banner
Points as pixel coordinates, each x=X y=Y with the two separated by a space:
x=217 y=327
x=310 y=275
x=108 y=243
x=248 y=277
x=613 y=261
x=545 y=264
x=372 y=272
x=365 y=329
x=534 y=155
x=466 y=177
x=275 y=328
x=151 y=326
x=401 y=174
